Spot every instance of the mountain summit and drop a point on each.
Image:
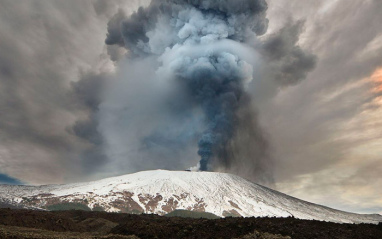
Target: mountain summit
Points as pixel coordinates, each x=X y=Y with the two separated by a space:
x=161 y=192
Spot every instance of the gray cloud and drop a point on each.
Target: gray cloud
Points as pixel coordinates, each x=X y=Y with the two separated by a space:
x=327 y=120
x=114 y=36
x=88 y=93
x=45 y=46
x=289 y=63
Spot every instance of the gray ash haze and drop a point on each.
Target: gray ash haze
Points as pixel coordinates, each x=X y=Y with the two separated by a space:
x=194 y=67
x=283 y=93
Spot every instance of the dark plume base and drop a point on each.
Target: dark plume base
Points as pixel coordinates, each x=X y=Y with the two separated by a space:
x=16 y=223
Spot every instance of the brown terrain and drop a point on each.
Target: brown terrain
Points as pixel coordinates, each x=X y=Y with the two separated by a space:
x=124 y=202
x=16 y=224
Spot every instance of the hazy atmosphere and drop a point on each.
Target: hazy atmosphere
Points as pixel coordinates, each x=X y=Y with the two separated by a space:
x=286 y=94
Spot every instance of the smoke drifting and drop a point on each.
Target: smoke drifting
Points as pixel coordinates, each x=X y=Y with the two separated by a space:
x=196 y=60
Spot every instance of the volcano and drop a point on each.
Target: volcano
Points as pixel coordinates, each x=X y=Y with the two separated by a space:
x=161 y=192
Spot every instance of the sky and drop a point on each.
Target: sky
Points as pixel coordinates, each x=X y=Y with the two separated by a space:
x=57 y=124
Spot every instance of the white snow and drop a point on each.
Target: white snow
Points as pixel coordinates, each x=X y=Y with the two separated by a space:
x=219 y=191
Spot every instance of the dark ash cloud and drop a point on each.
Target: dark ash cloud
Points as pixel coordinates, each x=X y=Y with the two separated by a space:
x=205 y=52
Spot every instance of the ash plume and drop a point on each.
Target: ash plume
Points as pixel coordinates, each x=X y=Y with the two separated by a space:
x=207 y=53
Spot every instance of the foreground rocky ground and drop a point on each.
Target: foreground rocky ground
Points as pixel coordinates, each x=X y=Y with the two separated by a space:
x=81 y=224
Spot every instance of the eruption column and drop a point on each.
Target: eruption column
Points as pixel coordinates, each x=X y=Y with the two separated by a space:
x=201 y=46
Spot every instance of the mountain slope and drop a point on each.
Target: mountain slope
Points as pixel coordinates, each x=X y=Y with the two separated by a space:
x=162 y=191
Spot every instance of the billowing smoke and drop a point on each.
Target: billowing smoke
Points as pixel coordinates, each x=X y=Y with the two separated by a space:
x=196 y=61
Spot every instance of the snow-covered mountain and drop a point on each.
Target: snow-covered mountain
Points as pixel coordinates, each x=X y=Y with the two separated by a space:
x=161 y=192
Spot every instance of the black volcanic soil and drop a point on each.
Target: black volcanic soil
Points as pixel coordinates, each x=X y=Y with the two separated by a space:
x=81 y=224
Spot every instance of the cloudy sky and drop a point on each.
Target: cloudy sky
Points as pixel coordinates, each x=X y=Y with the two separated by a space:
x=324 y=132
